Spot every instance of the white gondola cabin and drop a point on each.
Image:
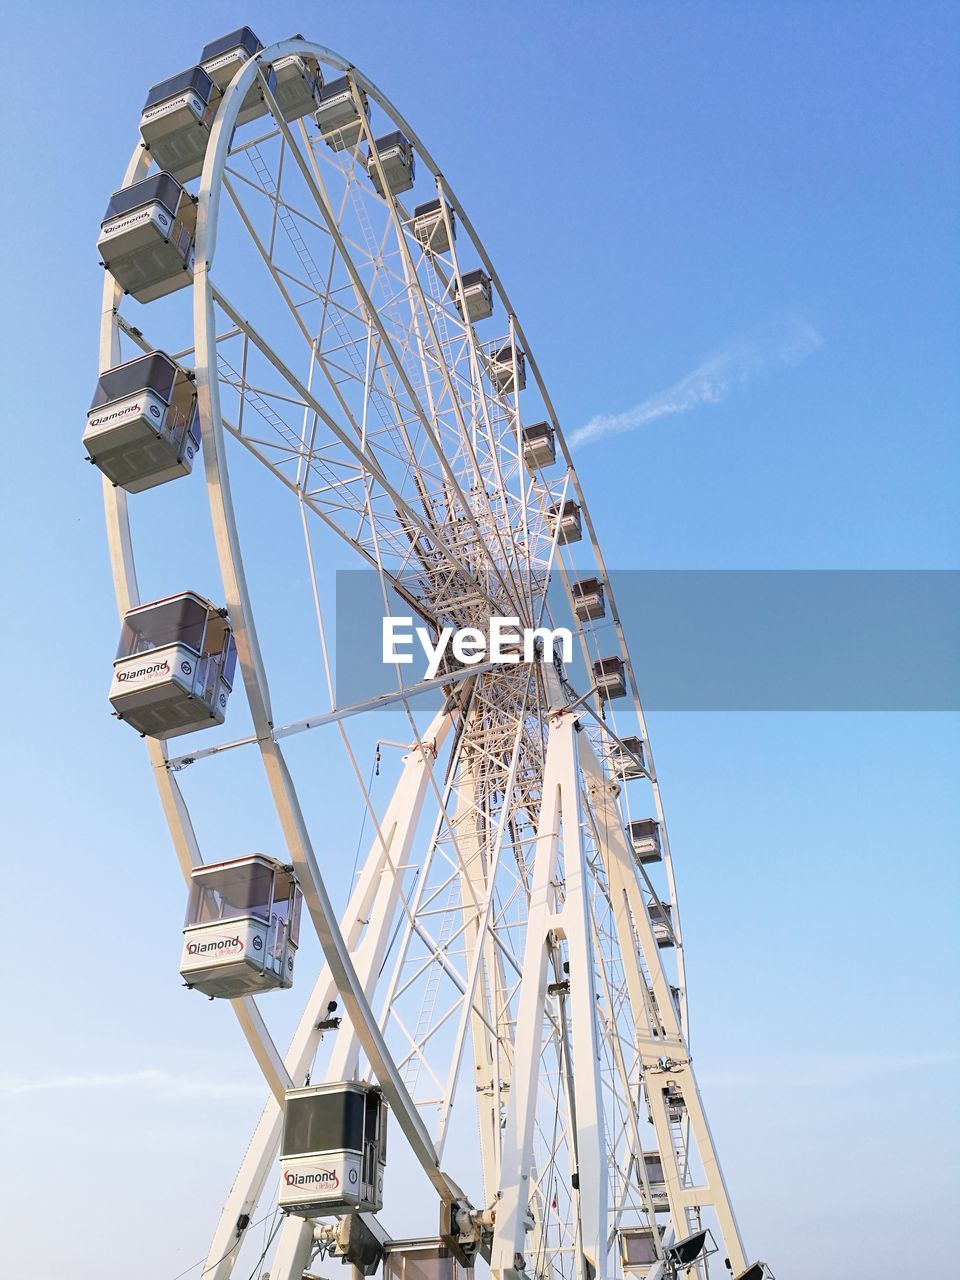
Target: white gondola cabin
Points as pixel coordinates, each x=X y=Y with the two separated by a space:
x=429 y=1259
x=242 y=927
x=298 y=84
x=430 y=228
x=638 y=1249
x=175 y=666
x=588 y=600
x=338 y=115
x=146 y=237
x=628 y=761
x=565 y=522
x=396 y=158
x=645 y=839
x=539 y=446
x=143 y=427
x=475 y=300
x=610 y=677
x=660 y=914
x=502 y=368
x=653 y=1163
x=334 y=1149
x=222 y=59
x=176 y=119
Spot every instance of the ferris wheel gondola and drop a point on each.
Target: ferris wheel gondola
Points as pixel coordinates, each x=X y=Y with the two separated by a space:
x=506 y=914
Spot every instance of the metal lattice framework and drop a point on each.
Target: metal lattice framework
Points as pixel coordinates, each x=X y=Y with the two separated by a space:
x=497 y=961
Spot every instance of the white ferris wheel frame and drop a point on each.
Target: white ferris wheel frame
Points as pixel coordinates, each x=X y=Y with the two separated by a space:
x=352 y=956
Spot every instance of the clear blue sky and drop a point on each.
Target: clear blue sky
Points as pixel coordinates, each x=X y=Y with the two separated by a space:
x=662 y=186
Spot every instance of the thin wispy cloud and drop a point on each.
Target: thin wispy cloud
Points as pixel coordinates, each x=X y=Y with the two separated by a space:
x=149 y=1079
x=735 y=366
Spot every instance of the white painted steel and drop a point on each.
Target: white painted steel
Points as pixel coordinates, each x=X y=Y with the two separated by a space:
x=523 y=942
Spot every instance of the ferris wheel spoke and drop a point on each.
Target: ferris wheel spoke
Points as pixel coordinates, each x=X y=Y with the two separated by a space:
x=271 y=193
x=419 y=304
x=311 y=176
x=363 y=459
x=327 y=515
x=491 y=410
x=331 y=308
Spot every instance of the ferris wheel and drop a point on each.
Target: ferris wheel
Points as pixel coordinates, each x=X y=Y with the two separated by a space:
x=320 y=327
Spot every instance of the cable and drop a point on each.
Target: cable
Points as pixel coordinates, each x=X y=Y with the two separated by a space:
x=374 y=772
x=259 y=1261
x=226 y=1255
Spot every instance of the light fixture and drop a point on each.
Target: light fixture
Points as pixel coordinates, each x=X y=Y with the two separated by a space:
x=357 y=1243
x=684 y=1253
x=688 y=1249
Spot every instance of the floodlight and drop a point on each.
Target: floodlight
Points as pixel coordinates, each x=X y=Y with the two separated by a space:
x=756 y=1271
x=688 y=1249
x=685 y=1252
x=357 y=1244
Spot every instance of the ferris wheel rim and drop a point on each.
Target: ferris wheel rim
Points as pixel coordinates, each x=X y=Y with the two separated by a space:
x=217 y=465
x=209 y=197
